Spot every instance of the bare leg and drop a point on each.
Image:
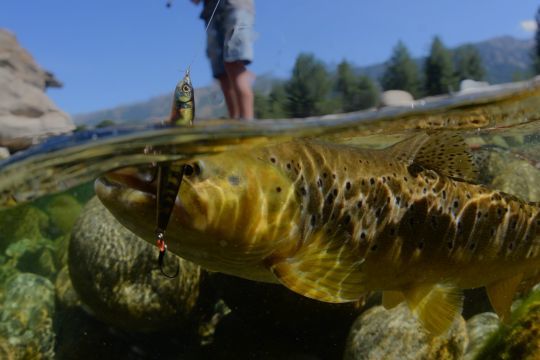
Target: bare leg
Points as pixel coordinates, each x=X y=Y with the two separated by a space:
x=240 y=79
x=229 y=95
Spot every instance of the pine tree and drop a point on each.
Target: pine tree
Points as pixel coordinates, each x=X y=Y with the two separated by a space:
x=308 y=88
x=469 y=63
x=401 y=72
x=277 y=101
x=438 y=69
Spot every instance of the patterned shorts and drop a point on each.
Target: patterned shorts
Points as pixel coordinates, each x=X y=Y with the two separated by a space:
x=230 y=38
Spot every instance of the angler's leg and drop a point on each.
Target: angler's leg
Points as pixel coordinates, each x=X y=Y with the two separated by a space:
x=230 y=96
x=241 y=79
x=237 y=53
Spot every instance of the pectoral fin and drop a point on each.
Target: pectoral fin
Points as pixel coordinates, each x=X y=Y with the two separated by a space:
x=323 y=269
x=435 y=305
x=501 y=294
x=391 y=299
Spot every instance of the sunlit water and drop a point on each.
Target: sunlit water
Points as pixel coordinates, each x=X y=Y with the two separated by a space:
x=44 y=189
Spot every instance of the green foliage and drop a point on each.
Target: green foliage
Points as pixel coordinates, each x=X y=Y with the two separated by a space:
x=273 y=105
x=105 y=123
x=308 y=89
x=401 y=72
x=82 y=127
x=356 y=92
x=536 y=60
x=469 y=63
x=438 y=70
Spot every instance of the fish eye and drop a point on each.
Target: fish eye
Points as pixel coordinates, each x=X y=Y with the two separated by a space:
x=188 y=170
x=186 y=88
x=192 y=169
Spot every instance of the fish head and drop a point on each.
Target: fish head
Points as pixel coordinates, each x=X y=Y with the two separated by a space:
x=183 y=109
x=232 y=211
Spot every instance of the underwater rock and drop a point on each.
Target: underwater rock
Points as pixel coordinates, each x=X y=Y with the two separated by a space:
x=479 y=328
x=65 y=293
x=520 y=339
x=22 y=222
x=117 y=277
x=63 y=211
x=26 y=316
x=514 y=176
x=35 y=256
x=397 y=334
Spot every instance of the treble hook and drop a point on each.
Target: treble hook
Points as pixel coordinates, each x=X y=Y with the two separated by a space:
x=162 y=251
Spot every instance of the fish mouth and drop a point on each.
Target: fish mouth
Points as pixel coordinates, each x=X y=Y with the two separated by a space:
x=128 y=178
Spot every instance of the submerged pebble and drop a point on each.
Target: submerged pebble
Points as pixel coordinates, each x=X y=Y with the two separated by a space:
x=396 y=334
x=26 y=317
x=116 y=276
x=479 y=328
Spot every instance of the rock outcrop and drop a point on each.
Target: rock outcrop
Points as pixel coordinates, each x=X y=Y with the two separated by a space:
x=26 y=112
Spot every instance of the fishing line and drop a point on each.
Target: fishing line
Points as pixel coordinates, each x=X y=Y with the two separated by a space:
x=205 y=32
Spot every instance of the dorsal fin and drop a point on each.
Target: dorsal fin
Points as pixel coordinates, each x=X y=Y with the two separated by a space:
x=324 y=269
x=444 y=152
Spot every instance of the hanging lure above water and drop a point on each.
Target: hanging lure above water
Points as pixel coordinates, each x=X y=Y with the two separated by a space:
x=170 y=174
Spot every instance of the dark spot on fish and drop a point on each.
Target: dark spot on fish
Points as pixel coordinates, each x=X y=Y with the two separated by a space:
x=472 y=246
x=479 y=214
x=289 y=166
x=363 y=235
x=348 y=185
x=273 y=160
x=313 y=220
x=398 y=200
x=319 y=182
x=329 y=198
x=359 y=204
x=347 y=219
x=234 y=180
x=325 y=175
x=405 y=178
x=450 y=245
x=278 y=189
x=303 y=191
x=372 y=181
x=511 y=246
x=335 y=192
x=188 y=170
x=333 y=176
x=420 y=245
x=374 y=247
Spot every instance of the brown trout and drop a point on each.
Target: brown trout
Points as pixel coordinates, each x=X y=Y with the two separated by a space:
x=332 y=222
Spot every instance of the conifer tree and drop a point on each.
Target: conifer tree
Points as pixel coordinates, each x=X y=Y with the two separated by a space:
x=308 y=88
x=469 y=64
x=401 y=72
x=438 y=70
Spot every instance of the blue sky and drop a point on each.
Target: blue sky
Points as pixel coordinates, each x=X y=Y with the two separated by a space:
x=112 y=52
